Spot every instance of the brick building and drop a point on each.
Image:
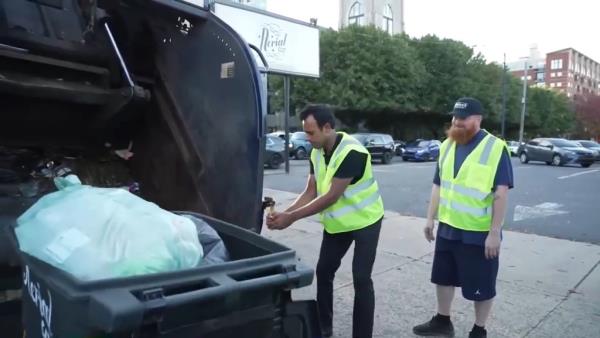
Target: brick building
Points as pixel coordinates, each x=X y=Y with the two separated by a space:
x=566 y=70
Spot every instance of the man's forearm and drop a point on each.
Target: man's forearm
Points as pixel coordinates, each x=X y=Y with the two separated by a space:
x=499 y=208
x=313 y=207
x=301 y=201
x=434 y=202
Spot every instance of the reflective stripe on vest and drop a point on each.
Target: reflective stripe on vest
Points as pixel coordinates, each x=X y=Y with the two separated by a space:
x=471 y=192
x=374 y=197
x=465 y=208
x=487 y=150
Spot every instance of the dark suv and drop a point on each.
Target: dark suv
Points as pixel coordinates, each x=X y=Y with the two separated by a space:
x=381 y=146
x=556 y=151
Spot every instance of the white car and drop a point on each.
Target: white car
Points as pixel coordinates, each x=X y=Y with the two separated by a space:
x=513 y=147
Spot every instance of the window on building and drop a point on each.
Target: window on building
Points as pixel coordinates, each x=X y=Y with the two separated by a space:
x=388 y=19
x=559 y=84
x=528 y=77
x=356 y=14
x=540 y=77
x=556 y=64
x=552 y=74
x=559 y=74
x=552 y=85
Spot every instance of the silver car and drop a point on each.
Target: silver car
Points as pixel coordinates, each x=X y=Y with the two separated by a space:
x=556 y=151
x=593 y=146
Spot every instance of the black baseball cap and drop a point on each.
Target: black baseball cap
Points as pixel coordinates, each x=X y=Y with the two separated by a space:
x=466 y=107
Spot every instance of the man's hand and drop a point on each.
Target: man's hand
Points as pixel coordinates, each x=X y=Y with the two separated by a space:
x=429 y=231
x=279 y=220
x=492 y=245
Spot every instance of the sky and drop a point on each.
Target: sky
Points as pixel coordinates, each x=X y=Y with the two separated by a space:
x=491 y=27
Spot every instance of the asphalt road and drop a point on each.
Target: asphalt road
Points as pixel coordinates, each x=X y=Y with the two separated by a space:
x=560 y=202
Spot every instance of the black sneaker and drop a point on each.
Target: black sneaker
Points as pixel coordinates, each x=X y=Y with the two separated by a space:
x=480 y=334
x=436 y=327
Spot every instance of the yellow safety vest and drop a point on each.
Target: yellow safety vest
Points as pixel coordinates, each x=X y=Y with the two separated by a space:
x=466 y=200
x=361 y=204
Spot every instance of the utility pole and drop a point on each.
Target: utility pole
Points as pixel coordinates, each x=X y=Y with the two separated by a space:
x=286 y=105
x=503 y=122
x=524 y=102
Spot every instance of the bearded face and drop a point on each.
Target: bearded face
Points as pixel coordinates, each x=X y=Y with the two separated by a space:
x=463 y=130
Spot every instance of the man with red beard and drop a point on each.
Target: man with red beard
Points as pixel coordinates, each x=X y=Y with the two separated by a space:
x=469 y=196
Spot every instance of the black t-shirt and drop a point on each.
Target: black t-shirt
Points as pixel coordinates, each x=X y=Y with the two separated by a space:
x=353 y=165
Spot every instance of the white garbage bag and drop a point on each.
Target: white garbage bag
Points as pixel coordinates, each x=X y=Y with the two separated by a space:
x=98 y=233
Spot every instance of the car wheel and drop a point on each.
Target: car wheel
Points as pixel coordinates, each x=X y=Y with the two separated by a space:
x=549 y=162
x=524 y=158
x=586 y=165
x=275 y=161
x=387 y=158
x=300 y=154
x=556 y=160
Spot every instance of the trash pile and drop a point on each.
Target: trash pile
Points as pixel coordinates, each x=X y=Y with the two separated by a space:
x=84 y=216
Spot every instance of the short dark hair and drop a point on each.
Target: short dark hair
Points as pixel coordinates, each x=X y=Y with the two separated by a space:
x=322 y=113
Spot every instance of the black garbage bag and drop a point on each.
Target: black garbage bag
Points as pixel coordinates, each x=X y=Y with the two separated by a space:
x=214 y=248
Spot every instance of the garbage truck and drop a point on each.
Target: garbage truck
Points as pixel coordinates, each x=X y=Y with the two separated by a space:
x=164 y=99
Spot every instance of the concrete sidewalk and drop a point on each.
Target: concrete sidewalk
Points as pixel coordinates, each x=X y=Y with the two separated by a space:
x=546 y=287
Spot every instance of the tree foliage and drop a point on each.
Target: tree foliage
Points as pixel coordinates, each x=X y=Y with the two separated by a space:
x=380 y=78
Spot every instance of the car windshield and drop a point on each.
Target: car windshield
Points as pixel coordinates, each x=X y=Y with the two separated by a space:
x=564 y=143
x=589 y=144
x=420 y=144
x=360 y=137
x=299 y=136
x=276 y=140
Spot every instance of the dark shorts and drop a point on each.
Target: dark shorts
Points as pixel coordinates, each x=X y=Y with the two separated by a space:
x=465 y=266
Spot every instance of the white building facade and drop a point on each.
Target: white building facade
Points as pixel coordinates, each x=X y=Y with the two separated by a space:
x=387 y=15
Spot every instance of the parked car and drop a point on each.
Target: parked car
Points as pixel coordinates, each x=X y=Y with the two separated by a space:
x=399 y=147
x=275 y=152
x=300 y=146
x=279 y=133
x=593 y=146
x=513 y=147
x=422 y=150
x=381 y=146
x=556 y=151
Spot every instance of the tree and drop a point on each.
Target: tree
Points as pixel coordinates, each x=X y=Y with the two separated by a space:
x=364 y=68
x=446 y=62
x=588 y=115
x=549 y=113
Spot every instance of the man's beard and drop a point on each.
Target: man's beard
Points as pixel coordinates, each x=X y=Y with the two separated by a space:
x=461 y=135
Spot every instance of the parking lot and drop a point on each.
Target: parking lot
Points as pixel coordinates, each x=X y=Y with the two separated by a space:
x=561 y=202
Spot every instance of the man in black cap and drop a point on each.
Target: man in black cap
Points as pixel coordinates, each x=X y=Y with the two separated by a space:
x=469 y=198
